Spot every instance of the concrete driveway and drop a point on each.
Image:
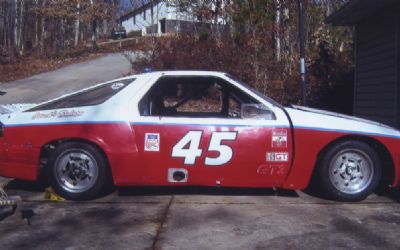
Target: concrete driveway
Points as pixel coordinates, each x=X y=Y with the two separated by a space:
x=182 y=218
x=199 y=218
x=45 y=86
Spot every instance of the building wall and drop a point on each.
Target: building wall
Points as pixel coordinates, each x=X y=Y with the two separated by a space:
x=398 y=67
x=376 y=81
x=137 y=22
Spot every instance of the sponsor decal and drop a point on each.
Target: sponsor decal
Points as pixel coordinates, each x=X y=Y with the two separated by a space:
x=70 y=113
x=272 y=170
x=57 y=114
x=277 y=157
x=41 y=115
x=117 y=85
x=279 y=138
x=151 y=142
x=264 y=170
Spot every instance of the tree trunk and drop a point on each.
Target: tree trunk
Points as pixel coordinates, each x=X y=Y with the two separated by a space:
x=94 y=28
x=8 y=28
x=15 y=12
x=11 y=30
x=21 y=24
x=42 y=33
x=277 y=30
x=62 y=35
x=77 y=25
x=36 y=41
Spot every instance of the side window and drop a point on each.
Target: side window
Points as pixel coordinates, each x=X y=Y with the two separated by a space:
x=201 y=98
x=195 y=97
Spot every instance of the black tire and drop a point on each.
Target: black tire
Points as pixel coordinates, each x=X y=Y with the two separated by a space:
x=84 y=176
x=349 y=171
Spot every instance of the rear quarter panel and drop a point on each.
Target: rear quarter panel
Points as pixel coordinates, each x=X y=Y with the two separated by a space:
x=26 y=133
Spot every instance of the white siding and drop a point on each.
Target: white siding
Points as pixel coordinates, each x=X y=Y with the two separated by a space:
x=160 y=11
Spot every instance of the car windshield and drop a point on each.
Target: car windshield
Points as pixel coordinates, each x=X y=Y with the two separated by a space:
x=255 y=91
x=90 y=97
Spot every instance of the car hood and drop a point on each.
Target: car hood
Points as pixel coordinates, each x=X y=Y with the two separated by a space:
x=305 y=117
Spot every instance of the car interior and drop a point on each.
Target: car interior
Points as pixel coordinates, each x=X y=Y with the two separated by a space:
x=196 y=96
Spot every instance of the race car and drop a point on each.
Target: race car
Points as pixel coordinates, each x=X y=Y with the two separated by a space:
x=193 y=128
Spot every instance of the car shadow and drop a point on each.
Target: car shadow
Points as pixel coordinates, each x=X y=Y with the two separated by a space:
x=385 y=192
x=391 y=193
x=27 y=188
x=198 y=190
x=19 y=185
x=16 y=187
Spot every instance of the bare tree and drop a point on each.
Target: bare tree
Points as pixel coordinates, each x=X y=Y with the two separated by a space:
x=76 y=40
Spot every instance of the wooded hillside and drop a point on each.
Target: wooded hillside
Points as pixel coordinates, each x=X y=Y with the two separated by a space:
x=258 y=41
x=49 y=27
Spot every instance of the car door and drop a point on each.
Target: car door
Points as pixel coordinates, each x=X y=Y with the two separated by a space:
x=201 y=143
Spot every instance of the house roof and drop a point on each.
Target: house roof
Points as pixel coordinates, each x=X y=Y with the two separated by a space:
x=139 y=3
x=136 y=6
x=356 y=10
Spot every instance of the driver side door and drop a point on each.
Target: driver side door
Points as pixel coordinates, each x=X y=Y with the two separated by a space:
x=205 y=131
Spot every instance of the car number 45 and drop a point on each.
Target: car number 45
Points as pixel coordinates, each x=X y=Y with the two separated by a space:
x=189 y=148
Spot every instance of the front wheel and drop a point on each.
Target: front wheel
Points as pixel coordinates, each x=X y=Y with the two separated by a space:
x=349 y=171
x=77 y=171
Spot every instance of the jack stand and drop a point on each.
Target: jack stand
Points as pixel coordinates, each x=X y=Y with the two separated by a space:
x=8 y=205
x=6 y=200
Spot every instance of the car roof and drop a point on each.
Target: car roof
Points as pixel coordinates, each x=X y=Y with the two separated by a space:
x=184 y=73
x=139 y=77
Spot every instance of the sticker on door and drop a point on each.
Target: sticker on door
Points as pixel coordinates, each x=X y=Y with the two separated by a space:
x=152 y=142
x=277 y=157
x=279 y=138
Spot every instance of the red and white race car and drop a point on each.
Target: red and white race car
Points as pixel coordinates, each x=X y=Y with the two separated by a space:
x=193 y=128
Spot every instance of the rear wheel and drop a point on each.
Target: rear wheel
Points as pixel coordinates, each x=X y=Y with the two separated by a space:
x=77 y=171
x=349 y=171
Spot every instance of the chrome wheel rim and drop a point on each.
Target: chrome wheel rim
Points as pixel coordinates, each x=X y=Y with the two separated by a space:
x=351 y=171
x=76 y=170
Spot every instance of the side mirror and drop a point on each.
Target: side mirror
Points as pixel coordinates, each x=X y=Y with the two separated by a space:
x=257 y=111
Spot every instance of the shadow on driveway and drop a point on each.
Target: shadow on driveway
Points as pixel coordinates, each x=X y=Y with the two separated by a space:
x=25 y=187
x=17 y=187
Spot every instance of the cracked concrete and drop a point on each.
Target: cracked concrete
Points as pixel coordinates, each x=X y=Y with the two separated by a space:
x=200 y=218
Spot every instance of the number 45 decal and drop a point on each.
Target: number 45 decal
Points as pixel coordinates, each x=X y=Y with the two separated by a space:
x=189 y=147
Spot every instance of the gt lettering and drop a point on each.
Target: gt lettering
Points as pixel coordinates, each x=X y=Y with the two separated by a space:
x=189 y=148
